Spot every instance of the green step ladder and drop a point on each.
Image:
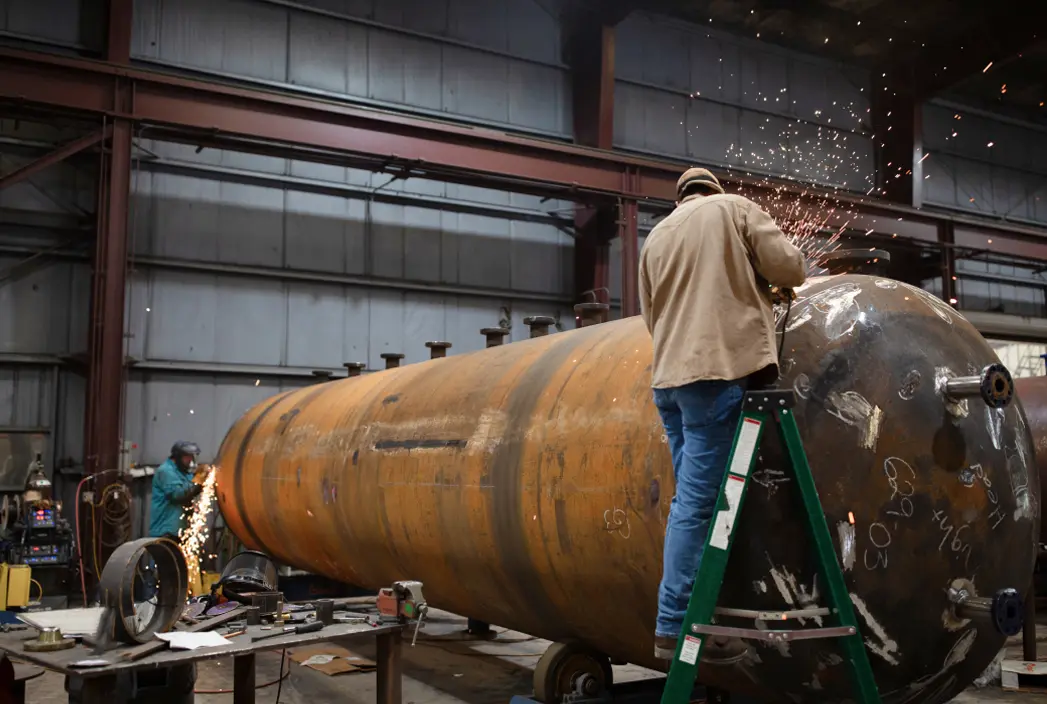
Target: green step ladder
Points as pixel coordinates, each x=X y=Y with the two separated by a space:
x=760 y=407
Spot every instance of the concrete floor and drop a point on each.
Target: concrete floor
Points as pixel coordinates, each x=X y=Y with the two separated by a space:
x=445 y=667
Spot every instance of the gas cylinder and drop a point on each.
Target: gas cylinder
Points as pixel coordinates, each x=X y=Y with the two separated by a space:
x=528 y=485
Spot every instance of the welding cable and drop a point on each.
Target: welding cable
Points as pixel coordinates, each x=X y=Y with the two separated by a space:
x=41 y=594
x=116 y=513
x=785 y=323
x=284 y=674
x=79 y=543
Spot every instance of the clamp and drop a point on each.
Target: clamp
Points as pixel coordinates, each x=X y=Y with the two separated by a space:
x=404 y=601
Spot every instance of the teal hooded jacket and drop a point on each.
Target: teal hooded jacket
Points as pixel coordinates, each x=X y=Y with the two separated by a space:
x=171 y=489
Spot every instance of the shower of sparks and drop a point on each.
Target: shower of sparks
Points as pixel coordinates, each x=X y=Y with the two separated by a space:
x=193 y=538
x=810 y=173
x=818 y=153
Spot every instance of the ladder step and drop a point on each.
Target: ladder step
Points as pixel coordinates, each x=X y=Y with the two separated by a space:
x=773 y=615
x=775 y=636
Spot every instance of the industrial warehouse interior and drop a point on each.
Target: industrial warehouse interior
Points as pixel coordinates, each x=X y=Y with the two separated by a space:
x=530 y=351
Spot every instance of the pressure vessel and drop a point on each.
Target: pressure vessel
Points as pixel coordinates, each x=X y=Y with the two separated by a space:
x=1032 y=391
x=528 y=486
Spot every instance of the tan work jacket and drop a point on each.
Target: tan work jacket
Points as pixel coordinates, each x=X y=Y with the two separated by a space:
x=705 y=274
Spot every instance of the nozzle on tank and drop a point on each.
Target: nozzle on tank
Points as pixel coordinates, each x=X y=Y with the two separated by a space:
x=392 y=359
x=438 y=349
x=354 y=368
x=539 y=324
x=994 y=385
x=591 y=313
x=1004 y=610
x=495 y=336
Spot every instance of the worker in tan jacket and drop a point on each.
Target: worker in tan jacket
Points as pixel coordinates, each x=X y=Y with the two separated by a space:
x=706 y=273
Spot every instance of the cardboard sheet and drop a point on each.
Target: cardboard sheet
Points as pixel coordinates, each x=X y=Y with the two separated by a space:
x=331 y=659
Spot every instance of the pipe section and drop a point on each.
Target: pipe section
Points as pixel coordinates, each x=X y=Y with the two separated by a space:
x=539 y=324
x=392 y=359
x=438 y=350
x=591 y=313
x=495 y=336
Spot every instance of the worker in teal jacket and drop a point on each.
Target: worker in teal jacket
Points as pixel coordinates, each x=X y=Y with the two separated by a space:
x=173 y=491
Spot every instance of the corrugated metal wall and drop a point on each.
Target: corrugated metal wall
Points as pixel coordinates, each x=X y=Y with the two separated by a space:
x=496 y=62
x=250 y=272
x=68 y=23
x=43 y=300
x=985 y=165
x=695 y=93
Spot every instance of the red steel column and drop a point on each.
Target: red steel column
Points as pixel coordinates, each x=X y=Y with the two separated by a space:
x=591 y=54
x=103 y=417
x=630 y=239
x=897 y=121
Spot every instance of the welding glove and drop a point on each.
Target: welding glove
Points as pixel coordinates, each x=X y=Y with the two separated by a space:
x=782 y=295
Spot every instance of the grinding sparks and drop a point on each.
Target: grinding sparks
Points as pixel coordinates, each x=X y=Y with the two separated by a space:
x=816 y=219
x=987 y=67
x=194 y=536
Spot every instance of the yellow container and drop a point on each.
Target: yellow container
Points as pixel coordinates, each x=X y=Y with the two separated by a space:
x=207 y=580
x=17 y=579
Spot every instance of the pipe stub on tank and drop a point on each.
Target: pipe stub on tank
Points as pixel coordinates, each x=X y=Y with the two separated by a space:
x=994 y=385
x=1004 y=610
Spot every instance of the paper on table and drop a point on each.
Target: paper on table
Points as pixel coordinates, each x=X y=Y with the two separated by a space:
x=70 y=621
x=181 y=640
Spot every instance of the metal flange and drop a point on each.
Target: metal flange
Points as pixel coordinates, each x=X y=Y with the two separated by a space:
x=49 y=640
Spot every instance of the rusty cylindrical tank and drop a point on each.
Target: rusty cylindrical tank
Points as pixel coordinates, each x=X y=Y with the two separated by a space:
x=528 y=486
x=1032 y=391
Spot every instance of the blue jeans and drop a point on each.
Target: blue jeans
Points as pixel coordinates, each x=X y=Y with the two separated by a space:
x=700 y=421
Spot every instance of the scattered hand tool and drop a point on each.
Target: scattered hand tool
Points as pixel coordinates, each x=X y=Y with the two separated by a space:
x=291 y=630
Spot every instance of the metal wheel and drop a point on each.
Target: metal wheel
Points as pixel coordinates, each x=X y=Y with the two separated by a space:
x=571 y=668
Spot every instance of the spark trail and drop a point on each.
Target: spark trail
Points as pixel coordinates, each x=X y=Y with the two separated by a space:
x=193 y=538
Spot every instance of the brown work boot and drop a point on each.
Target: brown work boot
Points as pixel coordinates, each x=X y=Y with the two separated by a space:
x=665 y=647
x=718 y=650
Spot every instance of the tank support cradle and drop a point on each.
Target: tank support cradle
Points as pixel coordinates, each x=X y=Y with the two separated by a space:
x=760 y=407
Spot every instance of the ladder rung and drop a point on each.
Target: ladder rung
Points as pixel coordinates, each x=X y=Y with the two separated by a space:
x=773 y=615
x=775 y=636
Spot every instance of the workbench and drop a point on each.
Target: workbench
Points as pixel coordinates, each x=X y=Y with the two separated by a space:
x=99 y=682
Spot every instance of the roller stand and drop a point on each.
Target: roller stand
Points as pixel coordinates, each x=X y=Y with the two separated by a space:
x=571 y=673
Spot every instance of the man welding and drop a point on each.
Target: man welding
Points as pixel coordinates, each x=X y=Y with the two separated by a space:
x=174 y=491
x=706 y=273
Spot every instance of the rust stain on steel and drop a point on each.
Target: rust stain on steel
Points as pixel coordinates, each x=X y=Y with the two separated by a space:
x=550 y=518
x=1032 y=391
